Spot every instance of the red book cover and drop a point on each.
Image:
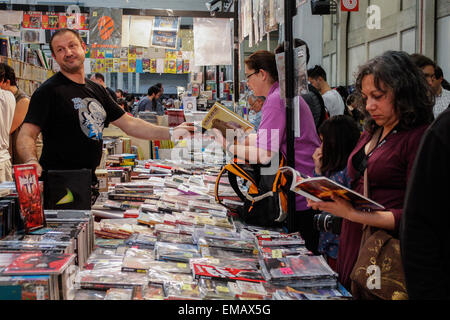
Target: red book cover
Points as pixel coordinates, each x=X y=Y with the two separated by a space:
x=32 y=20
x=50 y=20
x=39 y=263
x=27 y=185
x=226 y=274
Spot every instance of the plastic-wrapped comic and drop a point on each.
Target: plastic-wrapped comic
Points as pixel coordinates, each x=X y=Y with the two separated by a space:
x=137 y=260
x=142 y=241
x=211 y=289
x=290 y=239
x=176 y=252
x=175 y=238
x=161 y=277
x=119 y=294
x=219 y=253
x=105 y=279
x=168 y=266
x=150 y=218
x=299 y=271
x=248 y=290
x=212 y=270
x=182 y=291
x=153 y=292
x=230 y=244
x=83 y=294
x=281 y=252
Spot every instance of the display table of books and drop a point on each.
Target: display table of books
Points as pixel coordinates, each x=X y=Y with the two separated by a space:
x=169 y=239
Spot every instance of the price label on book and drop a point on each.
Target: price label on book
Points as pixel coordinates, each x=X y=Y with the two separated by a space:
x=222 y=289
x=181 y=265
x=277 y=254
x=186 y=287
x=287 y=271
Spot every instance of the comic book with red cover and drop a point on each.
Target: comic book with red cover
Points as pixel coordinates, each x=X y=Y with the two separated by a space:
x=203 y=271
x=39 y=263
x=27 y=185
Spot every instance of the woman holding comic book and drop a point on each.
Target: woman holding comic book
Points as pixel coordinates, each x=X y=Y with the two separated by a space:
x=397 y=103
x=270 y=140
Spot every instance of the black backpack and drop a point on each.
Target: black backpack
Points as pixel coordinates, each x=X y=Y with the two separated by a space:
x=265 y=203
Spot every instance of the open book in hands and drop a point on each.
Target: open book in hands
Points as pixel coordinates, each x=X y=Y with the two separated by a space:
x=221 y=118
x=321 y=189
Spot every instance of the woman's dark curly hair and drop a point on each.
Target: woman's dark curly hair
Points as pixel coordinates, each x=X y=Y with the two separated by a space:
x=413 y=97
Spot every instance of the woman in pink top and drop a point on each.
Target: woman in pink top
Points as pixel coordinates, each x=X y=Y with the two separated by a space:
x=397 y=101
x=270 y=139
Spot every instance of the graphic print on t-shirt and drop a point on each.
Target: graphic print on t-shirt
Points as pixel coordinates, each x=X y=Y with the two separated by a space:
x=92 y=117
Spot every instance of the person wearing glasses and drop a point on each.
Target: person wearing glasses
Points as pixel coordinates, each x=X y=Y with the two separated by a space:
x=270 y=140
x=397 y=103
x=442 y=96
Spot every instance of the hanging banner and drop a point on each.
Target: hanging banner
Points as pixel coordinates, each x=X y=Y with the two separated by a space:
x=349 y=5
x=142 y=30
x=165 y=32
x=212 y=42
x=105 y=27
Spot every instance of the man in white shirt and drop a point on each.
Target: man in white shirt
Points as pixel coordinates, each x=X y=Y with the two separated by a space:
x=7 y=107
x=442 y=95
x=434 y=79
x=332 y=99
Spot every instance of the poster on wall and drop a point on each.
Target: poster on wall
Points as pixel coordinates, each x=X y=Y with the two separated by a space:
x=165 y=32
x=105 y=27
x=10 y=22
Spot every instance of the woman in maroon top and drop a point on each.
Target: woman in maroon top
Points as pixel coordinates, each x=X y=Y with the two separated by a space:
x=397 y=100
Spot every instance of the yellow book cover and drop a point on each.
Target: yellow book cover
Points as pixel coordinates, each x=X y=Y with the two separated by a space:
x=222 y=118
x=172 y=66
x=100 y=65
x=131 y=65
x=152 y=65
x=123 y=65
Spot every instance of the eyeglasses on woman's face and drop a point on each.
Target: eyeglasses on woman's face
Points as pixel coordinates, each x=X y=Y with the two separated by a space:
x=248 y=76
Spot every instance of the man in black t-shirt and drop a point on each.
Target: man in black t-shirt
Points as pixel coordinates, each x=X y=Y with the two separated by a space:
x=71 y=112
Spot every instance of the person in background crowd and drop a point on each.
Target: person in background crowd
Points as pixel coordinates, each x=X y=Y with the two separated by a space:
x=159 y=101
x=424 y=237
x=339 y=136
x=313 y=98
x=442 y=90
x=343 y=92
x=440 y=77
x=7 y=106
x=120 y=94
x=333 y=100
x=100 y=79
x=72 y=111
x=352 y=110
x=442 y=96
x=269 y=141
x=256 y=104
x=148 y=103
x=124 y=105
x=398 y=106
x=8 y=82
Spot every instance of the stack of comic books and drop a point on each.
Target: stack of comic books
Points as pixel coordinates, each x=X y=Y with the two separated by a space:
x=299 y=272
x=48 y=273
